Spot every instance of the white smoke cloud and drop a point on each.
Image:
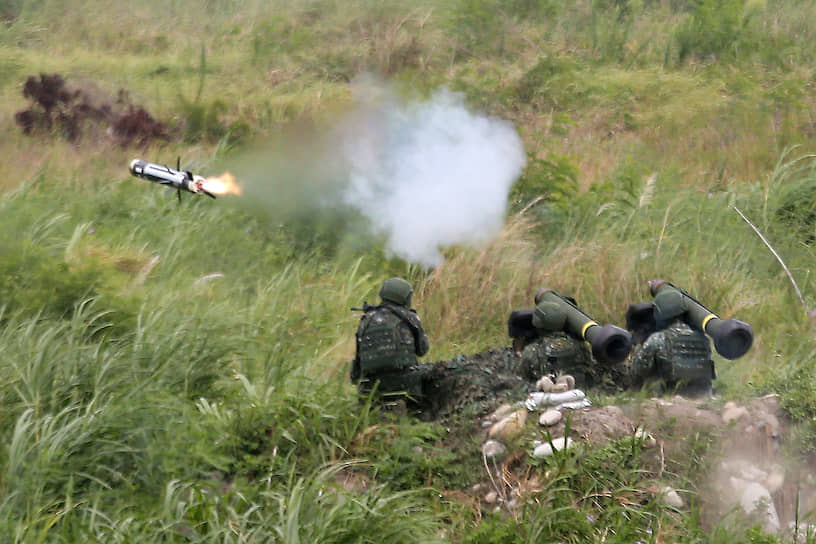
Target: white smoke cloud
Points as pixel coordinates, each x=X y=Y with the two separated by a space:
x=425 y=174
x=429 y=174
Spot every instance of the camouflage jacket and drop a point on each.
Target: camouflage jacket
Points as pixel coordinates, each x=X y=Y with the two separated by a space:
x=390 y=337
x=675 y=354
x=557 y=353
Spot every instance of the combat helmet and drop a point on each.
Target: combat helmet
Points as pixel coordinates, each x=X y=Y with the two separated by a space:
x=669 y=303
x=549 y=316
x=397 y=290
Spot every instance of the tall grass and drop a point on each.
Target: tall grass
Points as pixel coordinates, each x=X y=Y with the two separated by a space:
x=178 y=372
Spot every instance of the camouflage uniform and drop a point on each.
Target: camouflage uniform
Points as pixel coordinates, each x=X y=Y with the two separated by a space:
x=556 y=353
x=390 y=337
x=473 y=385
x=677 y=355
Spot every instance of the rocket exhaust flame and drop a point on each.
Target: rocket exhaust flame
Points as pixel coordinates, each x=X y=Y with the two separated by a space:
x=224 y=184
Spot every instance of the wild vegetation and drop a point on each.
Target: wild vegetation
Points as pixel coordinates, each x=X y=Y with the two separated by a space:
x=178 y=372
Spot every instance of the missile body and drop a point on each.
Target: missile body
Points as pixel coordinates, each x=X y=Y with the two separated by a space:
x=164 y=175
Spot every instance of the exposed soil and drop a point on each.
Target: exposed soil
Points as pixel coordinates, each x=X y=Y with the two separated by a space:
x=727 y=446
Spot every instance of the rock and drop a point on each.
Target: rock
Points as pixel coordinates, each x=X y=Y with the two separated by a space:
x=769 y=424
x=755 y=498
x=510 y=426
x=491 y=497
x=493 y=449
x=614 y=411
x=550 y=417
x=670 y=497
x=744 y=470
x=647 y=439
x=567 y=379
x=775 y=479
x=733 y=413
x=544 y=384
x=501 y=412
x=546 y=449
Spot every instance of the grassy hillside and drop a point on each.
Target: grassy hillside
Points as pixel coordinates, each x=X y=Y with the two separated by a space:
x=177 y=372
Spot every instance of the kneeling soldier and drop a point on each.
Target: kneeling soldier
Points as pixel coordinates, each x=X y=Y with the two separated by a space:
x=390 y=337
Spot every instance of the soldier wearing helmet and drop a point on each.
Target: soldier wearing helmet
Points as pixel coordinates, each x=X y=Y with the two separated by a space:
x=669 y=354
x=390 y=337
x=546 y=349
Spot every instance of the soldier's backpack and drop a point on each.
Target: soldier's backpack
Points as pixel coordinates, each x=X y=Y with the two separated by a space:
x=385 y=341
x=687 y=356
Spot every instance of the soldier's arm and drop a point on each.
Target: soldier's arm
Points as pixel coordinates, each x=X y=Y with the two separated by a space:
x=422 y=343
x=355 y=370
x=643 y=360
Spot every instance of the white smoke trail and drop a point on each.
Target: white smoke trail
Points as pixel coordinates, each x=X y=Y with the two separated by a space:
x=430 y=174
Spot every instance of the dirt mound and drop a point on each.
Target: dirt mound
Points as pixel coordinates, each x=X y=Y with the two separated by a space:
x=740 y=454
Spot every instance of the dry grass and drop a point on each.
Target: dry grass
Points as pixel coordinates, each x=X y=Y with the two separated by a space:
x=466 y=301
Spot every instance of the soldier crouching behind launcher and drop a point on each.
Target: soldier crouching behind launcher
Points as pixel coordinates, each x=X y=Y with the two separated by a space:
x=390 y=337
x=672 y=350
x=551 y=339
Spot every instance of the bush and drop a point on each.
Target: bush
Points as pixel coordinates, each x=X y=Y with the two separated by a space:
x=713 y=30
x=32 y=281
x=554 y=178
x=548 y=85
x=55 y=106
x=479 y=27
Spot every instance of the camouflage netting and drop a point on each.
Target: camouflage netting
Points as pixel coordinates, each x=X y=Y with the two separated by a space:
x=473 y=385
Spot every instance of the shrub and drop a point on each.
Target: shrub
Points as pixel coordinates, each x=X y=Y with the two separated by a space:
x=554 y=178
x=34 y=282
x=55 y=106
x=713 y=29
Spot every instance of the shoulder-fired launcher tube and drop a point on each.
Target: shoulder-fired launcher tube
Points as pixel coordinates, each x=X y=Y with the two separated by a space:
x=732 y=337
x=610 y=344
